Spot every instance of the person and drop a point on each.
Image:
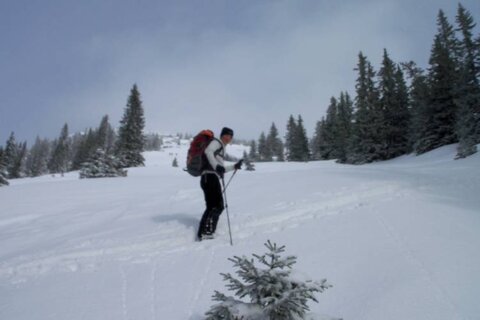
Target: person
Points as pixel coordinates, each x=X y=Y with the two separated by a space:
x=210 y=182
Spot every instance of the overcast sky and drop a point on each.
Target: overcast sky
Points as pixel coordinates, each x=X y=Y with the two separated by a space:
x=198 y=64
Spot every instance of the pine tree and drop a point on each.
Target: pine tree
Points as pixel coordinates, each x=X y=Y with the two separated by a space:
x=86 y=149
x=275 y=144
x=329 y=151
x=394 y=105
x=105 y=136
x=102 y=165
x=272 y=292
x=3 y=170
x=18 y=169
x=290 y=139
x=10 y=157
x=37 y=160
x=440 y=115
x=264 y=153
x=318 y=143
x=59 y=162
x=343 y=127
x=301 y=140
x=253 y=154
x=131 y=140
x=468 y=100
x=387 y=96
x=366 y=139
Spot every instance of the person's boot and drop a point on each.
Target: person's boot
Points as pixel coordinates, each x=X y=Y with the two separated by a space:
x=202 y=228
x=215 y=217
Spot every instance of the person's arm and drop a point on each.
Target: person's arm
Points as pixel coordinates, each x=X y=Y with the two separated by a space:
x=210 y=153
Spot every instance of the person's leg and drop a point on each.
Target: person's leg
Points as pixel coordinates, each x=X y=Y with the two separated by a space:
x=210 y=186
x=217 y=202
x=205 y=217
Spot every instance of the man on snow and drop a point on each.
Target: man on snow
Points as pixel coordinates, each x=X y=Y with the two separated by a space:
x=210 y=182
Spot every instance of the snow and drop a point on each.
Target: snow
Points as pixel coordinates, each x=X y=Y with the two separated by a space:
x=397 y=239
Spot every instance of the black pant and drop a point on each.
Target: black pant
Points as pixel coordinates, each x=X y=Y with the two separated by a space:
x=212 y=190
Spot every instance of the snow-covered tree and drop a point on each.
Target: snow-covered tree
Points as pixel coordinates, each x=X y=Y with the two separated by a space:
x=441 y=110
x=253 y=154
x=272 y=291
x=131 y=140
x=37 y=160
x=3 y=171
x=105 y=136
x=102 y=165
x=366 y=140
x=59 y=161
x=264 y=152
x=468 y=100
x=275 y=144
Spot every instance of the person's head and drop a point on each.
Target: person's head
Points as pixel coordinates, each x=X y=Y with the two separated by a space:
x=227 y=135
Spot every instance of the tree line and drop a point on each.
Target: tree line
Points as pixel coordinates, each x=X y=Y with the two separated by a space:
x=97 y=152
x=398 y=109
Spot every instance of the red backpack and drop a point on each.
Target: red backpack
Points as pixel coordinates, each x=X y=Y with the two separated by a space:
x=196 y=159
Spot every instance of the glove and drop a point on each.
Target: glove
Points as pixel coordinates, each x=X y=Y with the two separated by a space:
x=238 y=165
x=220 y=170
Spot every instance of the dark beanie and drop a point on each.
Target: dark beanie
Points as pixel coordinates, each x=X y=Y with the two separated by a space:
x=225 y=131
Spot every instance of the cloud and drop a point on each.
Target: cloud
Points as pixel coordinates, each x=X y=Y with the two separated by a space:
x=244 y=70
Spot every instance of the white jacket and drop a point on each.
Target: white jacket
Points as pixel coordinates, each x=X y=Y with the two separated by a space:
x=215 y=153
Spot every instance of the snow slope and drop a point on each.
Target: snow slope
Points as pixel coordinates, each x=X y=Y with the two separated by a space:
x=398 y=239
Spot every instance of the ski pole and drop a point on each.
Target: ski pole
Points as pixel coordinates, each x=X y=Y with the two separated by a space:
x=230 y=180
x=226 y=208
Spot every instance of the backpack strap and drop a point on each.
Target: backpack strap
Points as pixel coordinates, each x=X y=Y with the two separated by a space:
x=218 y=151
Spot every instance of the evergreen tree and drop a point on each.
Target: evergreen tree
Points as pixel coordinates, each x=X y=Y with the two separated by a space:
x=253 y=155
x=394 y=105
x=290 y=139
x=105 y=136
x=86 y=149
x=366 y=139
x=272 y=292
x=388 y=107
x=131 y=140
x=301 y=140
x=418 y=100
x=102 y=165
x=10 y=157
x=329 y=150
x=18 y=169
x=59 y=162
x=318 y=143
x=3 y=170
x=275 y=144
x=343 y=127
x=440 y=115
x=37 y=161
x=468 y=100
x=264 y=153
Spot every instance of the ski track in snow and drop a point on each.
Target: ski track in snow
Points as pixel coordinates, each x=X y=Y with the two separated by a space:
x=202 y=283
x=153 y=291
x=178 y=238
x=124 y=292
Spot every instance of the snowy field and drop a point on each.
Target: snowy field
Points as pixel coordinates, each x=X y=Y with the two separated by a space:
x=397 y=240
